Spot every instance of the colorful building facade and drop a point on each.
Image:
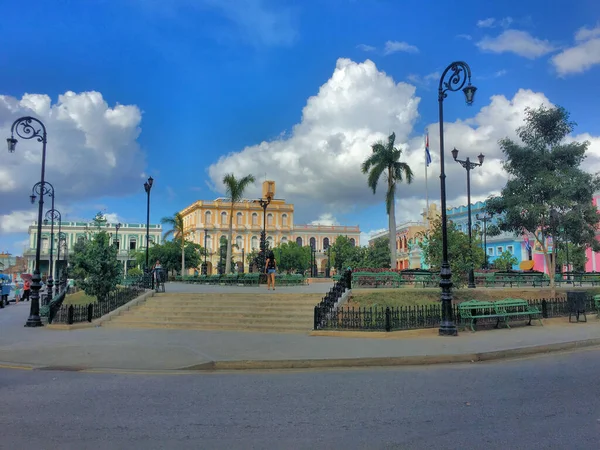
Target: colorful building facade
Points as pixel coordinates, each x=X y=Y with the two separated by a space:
x=130 y=238
x=206 y=222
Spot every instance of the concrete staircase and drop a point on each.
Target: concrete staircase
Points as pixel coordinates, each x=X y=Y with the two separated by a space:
x=266 y=312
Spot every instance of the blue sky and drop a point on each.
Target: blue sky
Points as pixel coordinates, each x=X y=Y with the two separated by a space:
x=208 y=87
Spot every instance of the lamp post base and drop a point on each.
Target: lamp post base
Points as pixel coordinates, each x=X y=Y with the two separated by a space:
x=448 y=329
x=34 y=310
x=34 y=321
x=471 y=279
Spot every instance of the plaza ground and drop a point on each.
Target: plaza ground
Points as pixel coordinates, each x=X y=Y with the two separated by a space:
x=169 y=349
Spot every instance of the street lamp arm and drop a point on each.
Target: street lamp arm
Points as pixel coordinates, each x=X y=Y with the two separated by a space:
x=467 y=164
x=458 y=73
x=47 y=189
x=24 y=128
x=53 y=215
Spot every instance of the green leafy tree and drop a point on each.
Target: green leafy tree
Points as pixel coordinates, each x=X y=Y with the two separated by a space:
x=292 y=258
x=547 y=194
x=235 y=191
x=169 y=254
x=251 y=257
x=135 y=272
x=344 y=254
x=460 y=254
x=377 y=255
x=505 y=261
x=385 y=160
x=177 y=232
x=577 y=259
x=95 y=266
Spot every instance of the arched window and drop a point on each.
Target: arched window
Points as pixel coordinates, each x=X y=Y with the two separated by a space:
x=313 y=243
x=207 y=217
x=240 y=243
x=284 y=240
x=132 y=244
x=352 y=242
x=284 y=219
x=299 y=241
x=325 y=243
x=270 y=242
x=254 y=243
x=208 y=242
x=270 y=219
x=223 y=218
x=254 y=219
x=240 y=218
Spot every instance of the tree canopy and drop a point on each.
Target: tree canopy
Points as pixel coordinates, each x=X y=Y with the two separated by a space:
x=235 y=191
x=547 y=193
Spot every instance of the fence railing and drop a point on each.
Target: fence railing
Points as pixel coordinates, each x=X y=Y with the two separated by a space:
x=326 y=307
x=417 y=317
x=70 y=314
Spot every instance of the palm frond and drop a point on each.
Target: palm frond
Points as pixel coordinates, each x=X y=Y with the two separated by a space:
x=374 y=176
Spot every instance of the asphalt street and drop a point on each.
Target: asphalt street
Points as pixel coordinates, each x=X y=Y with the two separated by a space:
x=547 y=402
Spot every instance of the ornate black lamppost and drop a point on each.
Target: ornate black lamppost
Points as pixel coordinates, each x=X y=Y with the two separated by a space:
x=148 y=188
x=328 y=273
x=41 y=189
x=116 y=241
x=62 y=240
x=485 y=218
x=27 y=128
x=205 y=266
x=453 y=79
x=52 y=215
x=263 y=234
x=468 y=165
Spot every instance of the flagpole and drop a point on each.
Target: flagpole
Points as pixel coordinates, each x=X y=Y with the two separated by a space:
x=426 y=186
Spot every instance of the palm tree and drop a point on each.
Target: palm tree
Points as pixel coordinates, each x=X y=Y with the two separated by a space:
x=176 y=224
x=235 y=191
x=386 y=159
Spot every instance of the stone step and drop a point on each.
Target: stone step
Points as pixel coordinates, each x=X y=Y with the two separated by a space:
x=215 y=320
x=218 y=314
x=275 y=328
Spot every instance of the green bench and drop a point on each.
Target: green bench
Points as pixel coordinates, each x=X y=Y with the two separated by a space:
x=502 y=310
x=426 y=280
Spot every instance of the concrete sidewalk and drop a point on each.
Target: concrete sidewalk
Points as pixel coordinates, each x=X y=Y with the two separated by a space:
x=144 y=350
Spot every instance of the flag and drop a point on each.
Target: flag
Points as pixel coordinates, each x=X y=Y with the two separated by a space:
x=427 y=154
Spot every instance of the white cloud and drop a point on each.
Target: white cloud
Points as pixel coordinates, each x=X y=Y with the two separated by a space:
x=91 y=151
x=366 y=235
x=326 y=219
x=317 y=166
x=584 y=33
x=17 y=221
x=366 y=48
x=518 y=42
x=425 y=80
x=396 y=46
x=467 y=37
x=112 y=218
x=581 y=57
x=486 y=23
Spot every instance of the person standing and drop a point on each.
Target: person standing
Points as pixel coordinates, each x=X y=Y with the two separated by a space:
x=271 y=269
x=26 y=290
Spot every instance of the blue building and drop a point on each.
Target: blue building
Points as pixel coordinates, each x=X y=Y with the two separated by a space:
x=496 y=245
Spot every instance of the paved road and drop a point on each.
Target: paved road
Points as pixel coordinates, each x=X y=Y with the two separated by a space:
x=542 y=403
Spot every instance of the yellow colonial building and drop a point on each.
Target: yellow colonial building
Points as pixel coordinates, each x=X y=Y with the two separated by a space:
x=205 y=222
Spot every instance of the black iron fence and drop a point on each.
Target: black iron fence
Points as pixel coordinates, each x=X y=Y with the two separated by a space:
x=70 y=314
x=416 y=317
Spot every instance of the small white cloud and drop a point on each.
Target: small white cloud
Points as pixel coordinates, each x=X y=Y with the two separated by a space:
x=500 y=73
x=584 y=33
x=581 y=57
x=326 y=219
x=423 y=81
x=467 y=37
x=486 y=23
x=365 y=236
x=518 y=42
x=112 y=217
x=17 y=221
x=397 y=46
x=366 y=48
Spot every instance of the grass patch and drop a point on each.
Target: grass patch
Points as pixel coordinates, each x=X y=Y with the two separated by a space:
x=427 y=296
x=79 y=298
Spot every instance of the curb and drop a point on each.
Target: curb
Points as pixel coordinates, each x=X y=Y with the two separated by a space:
x=100 y=320
x=348 y=363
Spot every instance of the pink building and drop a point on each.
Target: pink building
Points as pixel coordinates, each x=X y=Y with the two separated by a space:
x=593 y=258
